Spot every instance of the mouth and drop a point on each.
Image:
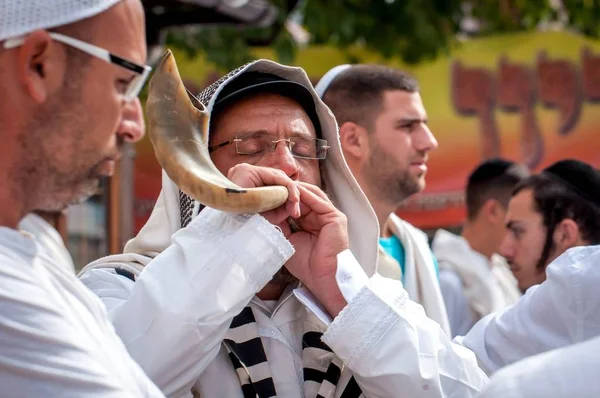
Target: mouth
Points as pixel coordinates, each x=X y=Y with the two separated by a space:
x=419 y=164
x=106 y=167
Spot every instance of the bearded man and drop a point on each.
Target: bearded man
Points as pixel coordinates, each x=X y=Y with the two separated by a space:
x=240 y=305
x=386 y=142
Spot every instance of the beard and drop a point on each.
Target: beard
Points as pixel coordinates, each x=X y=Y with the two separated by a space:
x=58 y=166
x=389 y=179
x=283 y=277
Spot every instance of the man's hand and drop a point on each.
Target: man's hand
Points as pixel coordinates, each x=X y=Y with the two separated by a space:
x=324 y=235
x=249 y=176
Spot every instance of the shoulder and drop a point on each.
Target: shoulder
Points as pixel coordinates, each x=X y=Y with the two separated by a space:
x=400 y=223
x=450 y=283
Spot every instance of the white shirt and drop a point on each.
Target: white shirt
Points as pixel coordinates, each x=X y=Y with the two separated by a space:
x=174 y=317
x=570 y=372
x=472 y=285
x=563 y=310
x=55 y=338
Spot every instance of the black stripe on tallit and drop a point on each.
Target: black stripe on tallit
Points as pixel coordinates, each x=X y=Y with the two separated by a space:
x=243 y=318
x=333 y=374
x=313 y=339
x=250 y=352
x=249 y=391
x=264 y=388
x=352 y=389
x=314 y=375
x=125 y=273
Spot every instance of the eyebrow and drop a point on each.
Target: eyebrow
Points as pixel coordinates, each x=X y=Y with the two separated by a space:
x=258 y=133
x=513 y=224
x=411 y=120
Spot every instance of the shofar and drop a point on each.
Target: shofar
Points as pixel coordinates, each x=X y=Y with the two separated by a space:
x=178 y=129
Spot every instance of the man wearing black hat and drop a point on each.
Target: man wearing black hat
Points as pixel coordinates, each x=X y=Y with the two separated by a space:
x=548 y=214
x=553 y=218
x=224 y=309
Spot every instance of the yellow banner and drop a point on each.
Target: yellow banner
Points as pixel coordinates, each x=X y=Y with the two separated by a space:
x=529 y=97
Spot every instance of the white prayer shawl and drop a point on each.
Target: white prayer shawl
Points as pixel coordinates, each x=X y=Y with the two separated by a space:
x=193 y=281
x=488 y=286
x=55 y=336
x=570 y=372
x=420 y=278
x=48 y=238
x=563 y=310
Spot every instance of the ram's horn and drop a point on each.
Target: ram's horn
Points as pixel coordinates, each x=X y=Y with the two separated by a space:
x=178 y=129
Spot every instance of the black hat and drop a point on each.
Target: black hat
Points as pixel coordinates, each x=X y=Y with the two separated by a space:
x=580 y=177
x=258 y=82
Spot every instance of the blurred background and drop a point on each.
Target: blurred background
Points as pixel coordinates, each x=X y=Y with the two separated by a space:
x=513 y=78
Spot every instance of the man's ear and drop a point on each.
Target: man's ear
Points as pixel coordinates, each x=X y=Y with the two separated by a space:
x=354 y=139
x=35 y=64
x=567 y=235
x=494 y=211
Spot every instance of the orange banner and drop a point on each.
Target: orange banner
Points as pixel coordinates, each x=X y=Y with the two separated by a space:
x=531 y=98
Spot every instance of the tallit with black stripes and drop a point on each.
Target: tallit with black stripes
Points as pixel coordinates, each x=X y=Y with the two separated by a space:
x=322 y=369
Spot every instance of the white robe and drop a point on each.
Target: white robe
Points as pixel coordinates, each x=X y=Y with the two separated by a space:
x=196 y=279
x=472 y=285
x=420 y=278
x=174 y=317
x=570 y=372
x=563 y=310
x=55 y=336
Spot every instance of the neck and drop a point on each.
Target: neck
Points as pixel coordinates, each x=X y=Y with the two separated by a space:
x=12 y=202
x=272 y=291
x=383 y=209
x=383 y=212
x=478 y=239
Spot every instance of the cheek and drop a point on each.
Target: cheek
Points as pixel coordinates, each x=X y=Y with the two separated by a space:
x=223 y=163
x=310 y=171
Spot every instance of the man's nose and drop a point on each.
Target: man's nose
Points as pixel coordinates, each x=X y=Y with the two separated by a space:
x=282 y=159
x=132 y=128
x=506 y=248
x=426 y=141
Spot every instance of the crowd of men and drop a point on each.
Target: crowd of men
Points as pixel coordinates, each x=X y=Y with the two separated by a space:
x=206 y=303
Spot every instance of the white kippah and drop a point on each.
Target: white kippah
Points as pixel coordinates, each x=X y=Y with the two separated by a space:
x=327 y=78
x=19 y=17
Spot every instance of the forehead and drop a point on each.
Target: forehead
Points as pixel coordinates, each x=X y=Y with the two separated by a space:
x=521 y=207
x=121 y=30
x=404 y=102
x=263 y=112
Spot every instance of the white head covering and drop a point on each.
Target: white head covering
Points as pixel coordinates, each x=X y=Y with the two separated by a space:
x=19 y=17
x=174 y=209
x=329 y=77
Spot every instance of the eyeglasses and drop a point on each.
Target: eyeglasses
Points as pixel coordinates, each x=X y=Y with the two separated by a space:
x=300 y=147
x=133 y=87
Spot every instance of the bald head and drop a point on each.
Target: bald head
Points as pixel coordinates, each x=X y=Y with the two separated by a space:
x=68 y=116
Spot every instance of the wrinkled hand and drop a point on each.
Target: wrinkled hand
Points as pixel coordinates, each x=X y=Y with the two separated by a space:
x=323 y=236
x=249 y=176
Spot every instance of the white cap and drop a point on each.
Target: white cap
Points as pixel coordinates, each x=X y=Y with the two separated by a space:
x=19 y=17
x=328 y=78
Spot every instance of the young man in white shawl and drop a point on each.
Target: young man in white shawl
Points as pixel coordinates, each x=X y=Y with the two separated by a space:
x=570 y=371
x=70 y=72
x=386 y=143
x=209 y=302
x=474 y=279
x=552 y=219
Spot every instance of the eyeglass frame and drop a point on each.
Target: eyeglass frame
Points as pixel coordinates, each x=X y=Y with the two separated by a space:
x=274 y=146
x=135 y=86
